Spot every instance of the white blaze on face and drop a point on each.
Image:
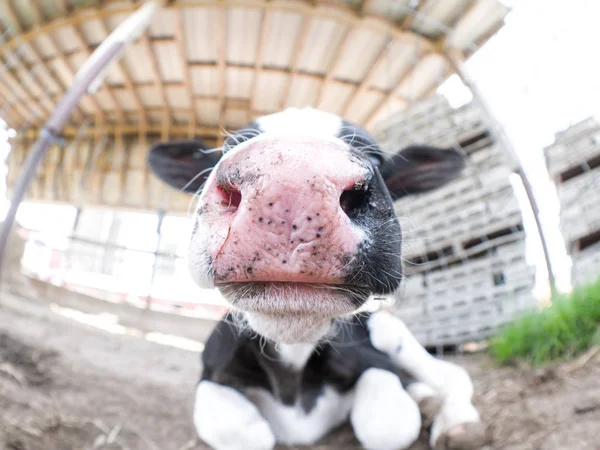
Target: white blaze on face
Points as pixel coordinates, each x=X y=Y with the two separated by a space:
x=301 y=122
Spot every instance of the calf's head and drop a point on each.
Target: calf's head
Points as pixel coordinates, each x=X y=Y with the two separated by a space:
x=295 y=222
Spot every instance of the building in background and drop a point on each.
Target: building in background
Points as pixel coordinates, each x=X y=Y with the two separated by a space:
x=464 y=244
x=574 y=164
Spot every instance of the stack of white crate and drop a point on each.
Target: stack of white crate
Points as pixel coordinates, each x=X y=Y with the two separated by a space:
x=464 y=243
x=574 y=164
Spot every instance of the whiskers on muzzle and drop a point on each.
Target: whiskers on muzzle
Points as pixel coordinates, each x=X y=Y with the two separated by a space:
x=277 y=298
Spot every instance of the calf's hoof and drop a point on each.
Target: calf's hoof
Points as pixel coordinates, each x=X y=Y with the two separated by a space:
x=465 y=436
x=429 y=407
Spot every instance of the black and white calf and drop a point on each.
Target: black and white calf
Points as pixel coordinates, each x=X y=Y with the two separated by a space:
x=295 y=225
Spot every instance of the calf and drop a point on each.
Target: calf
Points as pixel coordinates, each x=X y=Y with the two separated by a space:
x=296 y=227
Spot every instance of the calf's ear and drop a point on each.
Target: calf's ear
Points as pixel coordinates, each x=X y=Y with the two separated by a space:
x=183 y=165
x=421 y=168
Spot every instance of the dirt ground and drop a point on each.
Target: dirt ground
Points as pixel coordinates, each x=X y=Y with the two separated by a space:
x=64 y=385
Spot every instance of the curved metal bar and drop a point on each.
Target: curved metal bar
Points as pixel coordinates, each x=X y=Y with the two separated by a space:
x=88 y=79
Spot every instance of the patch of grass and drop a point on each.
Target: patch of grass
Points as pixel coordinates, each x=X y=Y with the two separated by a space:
x=565 y=329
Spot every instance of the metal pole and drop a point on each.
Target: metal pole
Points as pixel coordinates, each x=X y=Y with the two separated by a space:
x=456 y=62
x=161 y=217
x=70 y=237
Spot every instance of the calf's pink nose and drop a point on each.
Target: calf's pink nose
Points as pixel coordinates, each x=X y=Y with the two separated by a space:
x=274 y=212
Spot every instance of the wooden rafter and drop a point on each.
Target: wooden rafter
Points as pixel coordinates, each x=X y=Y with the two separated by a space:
x=13 y=103
x=393 y=92
x=474 y=46
x=364 y=6
x=263 y=26
x=300 y=41
x=48 y=103
x=409 y=20
x=337 y=12
x=379 y=61
x=102 y=129
x=256 y=67
x=127 y=79
x=64 y=5
x=84 y=48
x=39 y=18
x=155 y=69
x=45 y=101
x=124 y=166
x=347 y=19
x=187 y=79
x=221 y=64
x=333 y=65
x=16 y=90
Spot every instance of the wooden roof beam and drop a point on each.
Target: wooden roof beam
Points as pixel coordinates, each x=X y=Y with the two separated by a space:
x=263 y=26
x=30 y=70
x=221 y=64
x=13 y=103
x=344 y=15
x=187 y=79
x=364 y=7
x=300 y=41
x=104 y=88
x=155 y=69
x=44 y=101
x=128 y=129
x=365 y=84
x=49 y=103
x=126 y=77
x=333 y=65
x=387 y=98
x=64 y=5
x=17 y=90
x=35 y=8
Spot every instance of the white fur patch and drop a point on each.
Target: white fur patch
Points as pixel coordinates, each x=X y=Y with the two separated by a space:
x=384 y=416
x=290 y=328
x=226 y=420
x=440 y=378
x=295 y=355
x=293 y=426
x=305 y=121
x=420 y=391
x=390 y=335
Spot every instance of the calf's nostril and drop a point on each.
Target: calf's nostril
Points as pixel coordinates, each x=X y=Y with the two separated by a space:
x=230 y=198
x=353 y=202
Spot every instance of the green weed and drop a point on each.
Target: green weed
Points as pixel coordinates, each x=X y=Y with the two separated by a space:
x=565 y=329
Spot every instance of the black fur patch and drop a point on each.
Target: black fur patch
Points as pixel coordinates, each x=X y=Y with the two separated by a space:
x=236 y=358
x=360 y=139
x=378 y=263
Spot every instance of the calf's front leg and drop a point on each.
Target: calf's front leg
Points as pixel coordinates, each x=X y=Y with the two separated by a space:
x=226 y=420
x=384 y=416
x=457 y=424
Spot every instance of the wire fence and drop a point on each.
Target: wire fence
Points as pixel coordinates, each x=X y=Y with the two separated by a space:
x=146 y=279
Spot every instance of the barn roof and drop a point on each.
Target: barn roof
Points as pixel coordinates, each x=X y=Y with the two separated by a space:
x=203 y=65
